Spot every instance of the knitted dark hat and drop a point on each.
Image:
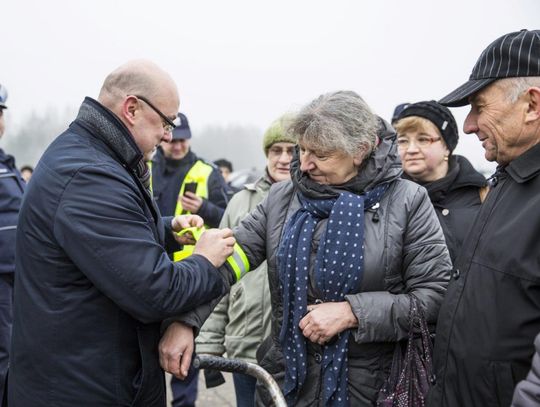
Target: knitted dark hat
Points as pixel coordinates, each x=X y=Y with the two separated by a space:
x=439 y=115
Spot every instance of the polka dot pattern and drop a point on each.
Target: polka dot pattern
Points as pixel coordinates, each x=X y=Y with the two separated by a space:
x=337 y=271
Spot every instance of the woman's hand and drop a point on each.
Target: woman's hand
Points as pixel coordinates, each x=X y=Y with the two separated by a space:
x=326 y=320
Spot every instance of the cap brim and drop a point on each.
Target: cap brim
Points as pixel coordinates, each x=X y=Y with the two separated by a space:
x=3 y=106
x=181 y=134
x=460 y=96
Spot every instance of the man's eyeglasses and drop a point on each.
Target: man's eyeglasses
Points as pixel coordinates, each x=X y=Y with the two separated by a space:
x=422 y=141
x=168 y=124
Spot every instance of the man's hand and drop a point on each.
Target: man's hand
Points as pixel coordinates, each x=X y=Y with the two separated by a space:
x=176 y=349
x=185 y=221
x=216 y=245
x=191 y=202
x=324 y=321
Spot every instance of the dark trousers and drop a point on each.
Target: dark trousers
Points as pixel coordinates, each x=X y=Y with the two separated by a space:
x=6 y=320
x=244 y=388
x=185 y=391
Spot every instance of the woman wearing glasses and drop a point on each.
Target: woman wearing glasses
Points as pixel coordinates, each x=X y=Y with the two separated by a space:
x=427 y=135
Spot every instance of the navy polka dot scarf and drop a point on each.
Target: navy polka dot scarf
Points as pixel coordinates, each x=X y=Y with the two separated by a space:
x=338 y=271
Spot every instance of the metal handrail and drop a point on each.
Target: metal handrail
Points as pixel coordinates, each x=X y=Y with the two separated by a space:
x=240 y=366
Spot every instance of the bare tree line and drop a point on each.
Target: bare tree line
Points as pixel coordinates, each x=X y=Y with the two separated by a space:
x=241 y=144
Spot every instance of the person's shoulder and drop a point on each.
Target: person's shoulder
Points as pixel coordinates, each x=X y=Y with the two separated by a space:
x=404 y=191
x=71 y=153
x=406 y=186
x=280 y=190
x=209 y=163
x=468 y=175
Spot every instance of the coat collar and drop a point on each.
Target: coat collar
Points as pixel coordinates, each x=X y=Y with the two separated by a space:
x=106 y=126
x=526 y=166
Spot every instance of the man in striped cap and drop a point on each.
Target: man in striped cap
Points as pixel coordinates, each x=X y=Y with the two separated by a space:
x=491 y=312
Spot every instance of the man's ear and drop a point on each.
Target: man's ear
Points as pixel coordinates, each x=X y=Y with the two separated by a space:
x=130 y=108
x=533 y=109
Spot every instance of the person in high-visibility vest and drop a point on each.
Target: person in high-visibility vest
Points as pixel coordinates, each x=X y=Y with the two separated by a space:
x=183 y=183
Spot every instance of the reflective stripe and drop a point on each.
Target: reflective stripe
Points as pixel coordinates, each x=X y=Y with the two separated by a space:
x=238 y=262
x=8 y=228
x=199 y=173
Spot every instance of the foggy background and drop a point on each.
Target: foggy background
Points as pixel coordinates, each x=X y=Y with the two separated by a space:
x=241 y=64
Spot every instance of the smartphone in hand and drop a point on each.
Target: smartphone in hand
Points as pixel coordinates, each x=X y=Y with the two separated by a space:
x=190 y=187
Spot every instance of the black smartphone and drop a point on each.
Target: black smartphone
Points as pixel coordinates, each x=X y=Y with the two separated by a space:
x=190 y=187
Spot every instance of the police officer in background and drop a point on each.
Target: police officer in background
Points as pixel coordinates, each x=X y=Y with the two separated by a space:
x=183 y=183
x=11 y=191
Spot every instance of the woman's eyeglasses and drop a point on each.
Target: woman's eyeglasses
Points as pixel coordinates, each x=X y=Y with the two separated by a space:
x=422 y=141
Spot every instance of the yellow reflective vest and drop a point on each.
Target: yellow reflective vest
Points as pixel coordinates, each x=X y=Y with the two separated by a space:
x=198 y=173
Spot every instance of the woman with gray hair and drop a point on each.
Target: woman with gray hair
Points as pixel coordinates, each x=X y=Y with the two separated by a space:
x=347 y=242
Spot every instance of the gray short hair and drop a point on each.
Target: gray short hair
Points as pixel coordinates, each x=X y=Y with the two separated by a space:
x=337 y=121
x=514 y=87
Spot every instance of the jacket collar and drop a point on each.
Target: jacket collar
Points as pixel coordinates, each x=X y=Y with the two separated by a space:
x=106 y=126
x=263 y=184
x=526 y=166
x=6 y=159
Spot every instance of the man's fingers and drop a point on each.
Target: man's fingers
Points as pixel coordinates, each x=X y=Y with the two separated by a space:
x=226 y=233
x=185 y=221
x=185 y=362
x=174 y=365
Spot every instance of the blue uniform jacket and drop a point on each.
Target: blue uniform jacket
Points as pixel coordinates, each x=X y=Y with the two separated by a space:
x=11 y=192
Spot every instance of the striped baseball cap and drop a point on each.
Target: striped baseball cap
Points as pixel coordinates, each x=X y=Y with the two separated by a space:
x=513 y=55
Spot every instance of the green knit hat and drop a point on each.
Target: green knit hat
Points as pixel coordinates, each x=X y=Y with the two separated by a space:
x=277 y=133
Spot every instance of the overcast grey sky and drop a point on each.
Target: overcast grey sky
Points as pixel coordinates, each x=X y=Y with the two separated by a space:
x=247 y=62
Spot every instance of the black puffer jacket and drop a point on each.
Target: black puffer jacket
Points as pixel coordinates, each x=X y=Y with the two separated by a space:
x=456 y=199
